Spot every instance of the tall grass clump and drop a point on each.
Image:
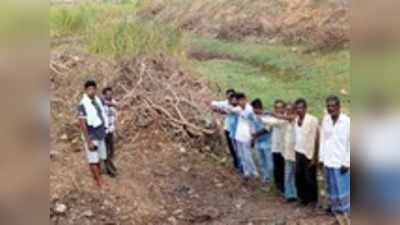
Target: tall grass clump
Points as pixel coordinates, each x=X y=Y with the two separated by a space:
x=72 y=20
x=113 y=29
x=78 y=19
x=132 y=37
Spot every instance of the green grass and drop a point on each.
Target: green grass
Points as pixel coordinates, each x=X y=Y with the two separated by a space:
x=271 y=72
x=113 y=29
x=77 y=19
x=132 y=38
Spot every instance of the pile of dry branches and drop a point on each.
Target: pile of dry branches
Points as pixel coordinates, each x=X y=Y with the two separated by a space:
x=152 y=93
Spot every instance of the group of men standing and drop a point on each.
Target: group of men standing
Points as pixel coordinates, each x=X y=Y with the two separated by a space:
x=291 y=143
x=97 y=120
x=292 y=146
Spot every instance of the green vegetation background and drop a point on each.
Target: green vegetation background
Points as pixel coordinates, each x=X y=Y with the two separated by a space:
x=261 y=70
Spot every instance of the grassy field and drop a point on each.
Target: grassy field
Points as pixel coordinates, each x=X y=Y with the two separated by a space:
x=271 y=72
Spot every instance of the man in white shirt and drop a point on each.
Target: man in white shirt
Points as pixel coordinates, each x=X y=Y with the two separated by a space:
x=306 y=142
x=110 y=108
x=277 y=142
x=335 y=156
x=229 y=123
x=289 y=154
x=93 y=121
x=243 y=134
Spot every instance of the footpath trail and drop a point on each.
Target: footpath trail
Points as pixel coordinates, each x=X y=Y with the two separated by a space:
x=162 y=183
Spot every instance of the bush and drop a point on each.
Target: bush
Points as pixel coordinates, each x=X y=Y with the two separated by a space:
x=113 y=29
x=72 y=20
x=132 y=37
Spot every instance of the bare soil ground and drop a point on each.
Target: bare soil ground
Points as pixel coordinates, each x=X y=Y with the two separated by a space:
x=169 y=153
x=160 y=183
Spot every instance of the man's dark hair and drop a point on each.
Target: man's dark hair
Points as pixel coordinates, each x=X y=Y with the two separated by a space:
x=279 y=101
x=106 y=89
x=230 y=92
x=90 y=83
x=302 y=101
x=257 y=103
x=240 y=95
x=333 y=98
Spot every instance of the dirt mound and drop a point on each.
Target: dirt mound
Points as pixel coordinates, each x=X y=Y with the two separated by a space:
x=319 y=24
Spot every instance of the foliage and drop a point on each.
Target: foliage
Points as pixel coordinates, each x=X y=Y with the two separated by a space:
x=271 y=72
x=113 y=29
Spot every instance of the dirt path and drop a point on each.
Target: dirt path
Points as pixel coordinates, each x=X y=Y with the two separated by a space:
x=161 y=183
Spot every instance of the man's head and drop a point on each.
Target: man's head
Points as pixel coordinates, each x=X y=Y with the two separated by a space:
x=107 y=93
x=230 y=96
x=229 y=93
x=233 y=100
x=279 y=106
x=90 y=88
x=257 y=106
x=301 y=107
x=333 y=105
x=290 y=108
x=241 y=99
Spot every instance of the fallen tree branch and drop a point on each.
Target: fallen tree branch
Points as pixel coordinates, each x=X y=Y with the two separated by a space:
x=182 y=123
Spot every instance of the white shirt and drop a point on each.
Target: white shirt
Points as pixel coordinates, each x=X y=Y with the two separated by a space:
x=111 y=113
x=244 y=126
x=335 y=142
x=306 y=136
x=299 y=139
x=278 y=132
x=288 y=151
x=223 y=105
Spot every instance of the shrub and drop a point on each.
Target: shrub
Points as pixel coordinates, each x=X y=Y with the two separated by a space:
x=113 y=29
x=133 y=37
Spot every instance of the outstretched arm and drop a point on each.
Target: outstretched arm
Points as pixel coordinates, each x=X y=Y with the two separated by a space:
x=289 y=118
x=219 y=106
x=272 y=121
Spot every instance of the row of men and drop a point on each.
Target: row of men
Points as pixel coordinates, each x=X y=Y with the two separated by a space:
x=291 y=146
x=97 y=120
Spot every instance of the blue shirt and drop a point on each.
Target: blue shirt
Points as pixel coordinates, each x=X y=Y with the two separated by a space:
x=263 y=141
x=232 y=124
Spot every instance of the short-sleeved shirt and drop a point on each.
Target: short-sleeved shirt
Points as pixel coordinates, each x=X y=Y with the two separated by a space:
x=95 y=133
x=244 y=126
x=111 y=114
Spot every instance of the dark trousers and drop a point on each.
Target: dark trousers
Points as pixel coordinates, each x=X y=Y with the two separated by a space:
x=279 y=171
x=306 y=180
x=110 y=145
x=232 y=150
